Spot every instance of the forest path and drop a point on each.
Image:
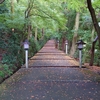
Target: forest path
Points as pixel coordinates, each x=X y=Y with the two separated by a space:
x=52 y=75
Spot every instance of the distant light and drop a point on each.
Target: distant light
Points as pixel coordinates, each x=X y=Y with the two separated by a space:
x=96 y=50
x=99 y=24
x=12 y=29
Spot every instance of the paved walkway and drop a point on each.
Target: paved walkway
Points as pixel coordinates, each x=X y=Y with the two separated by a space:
x=51 y=76
x=48 y=56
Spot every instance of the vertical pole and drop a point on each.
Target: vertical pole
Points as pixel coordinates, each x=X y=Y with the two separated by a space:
x=66 y=49
x=80 y=58
x=26 y=58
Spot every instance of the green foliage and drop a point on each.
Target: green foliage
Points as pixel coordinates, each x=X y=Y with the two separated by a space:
x=97 y=55
x=86 y=22
x=55 y=17
x=78 y=5
x=76 y=54
x=5 y=70
x=3 y=8
x=11 y=45
x=48 y=13
x=97 y=58
x=70 y=16
x=2 y=74
x=86 y=54
x=34 y=46
x=96 y=4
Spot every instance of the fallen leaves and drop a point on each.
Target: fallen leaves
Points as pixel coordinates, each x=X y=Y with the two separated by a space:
x=51 y=83
x=32 y=96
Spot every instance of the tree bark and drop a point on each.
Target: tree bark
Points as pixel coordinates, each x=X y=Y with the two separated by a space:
x=94 y=19
x=73 y=47
x=92 y=34
x=63 y=43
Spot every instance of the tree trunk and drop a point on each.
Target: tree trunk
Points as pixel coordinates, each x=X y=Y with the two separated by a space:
x=36 y=33
x=28 y=25
x=12 y=6
x=73 y=47
x=94 y=19
x=63 y=43
x=29 y=31
x=92 y=34
x=97 y=28
x=92 y=51
x=12 y=9
x=42 y=34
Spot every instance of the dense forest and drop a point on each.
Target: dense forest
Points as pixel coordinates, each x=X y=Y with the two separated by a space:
x=41 y=20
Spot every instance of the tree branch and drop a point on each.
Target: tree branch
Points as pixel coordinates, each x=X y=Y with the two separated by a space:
x=29 y=8
x=1 y=1
x=94 y=19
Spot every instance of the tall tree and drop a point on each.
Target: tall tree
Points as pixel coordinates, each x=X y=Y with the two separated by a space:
x=28 y=25
x=97 y=28
x=76 y=27
x=94 y=19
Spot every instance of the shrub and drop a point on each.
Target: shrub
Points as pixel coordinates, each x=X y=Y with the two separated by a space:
x=5 y=70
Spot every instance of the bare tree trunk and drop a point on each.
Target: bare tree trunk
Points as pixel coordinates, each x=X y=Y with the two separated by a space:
x=73 y=47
